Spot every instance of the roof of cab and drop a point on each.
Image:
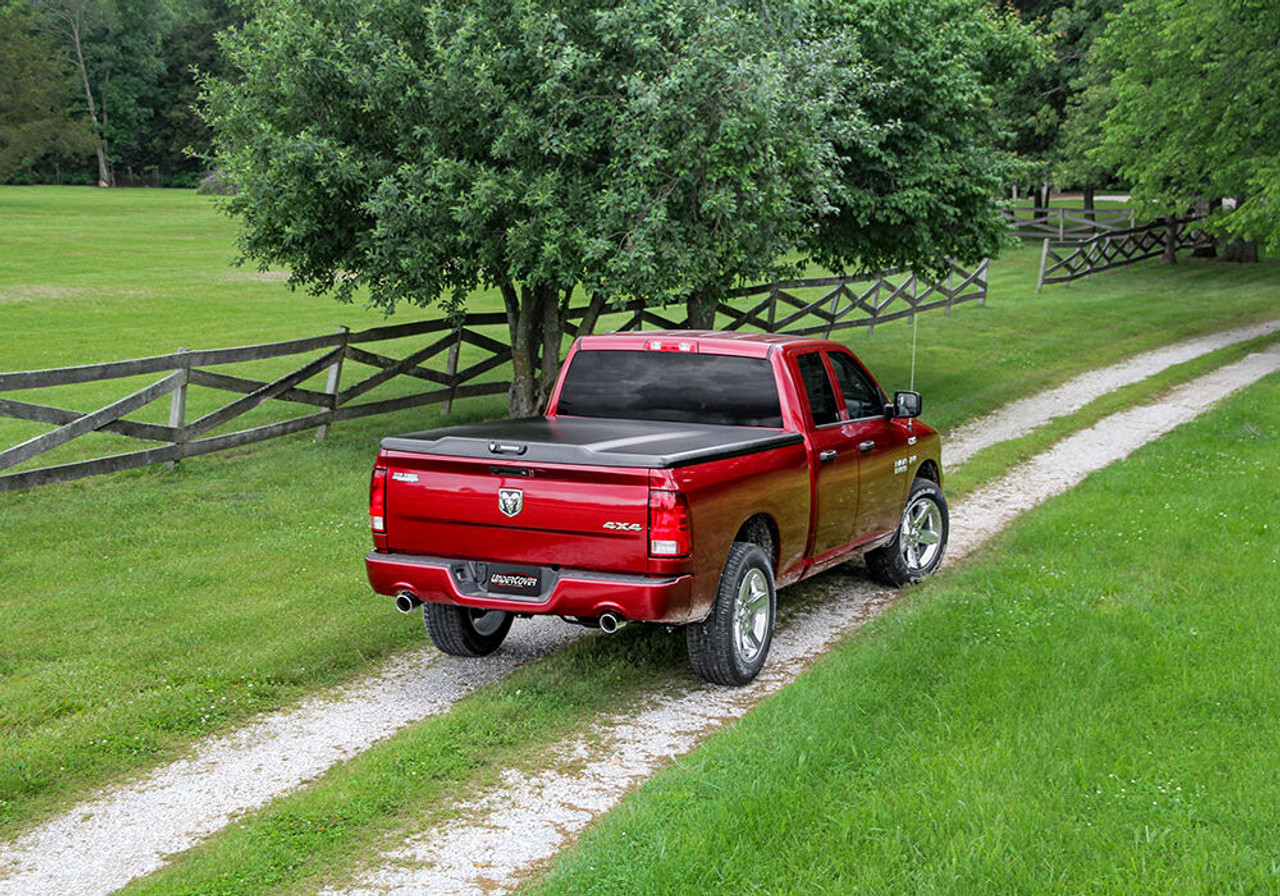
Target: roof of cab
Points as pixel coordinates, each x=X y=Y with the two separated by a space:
x=716 y=341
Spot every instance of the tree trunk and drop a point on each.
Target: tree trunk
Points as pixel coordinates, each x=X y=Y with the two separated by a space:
x=1206 y=244
x=1170 y=240
x=1089 y=191
x=552 y=337
x=700 y=310
x=594 y=307
x=100 y=142
x=528 y=321
x=520 y=397
x=1040 y=212
x=1241 y=251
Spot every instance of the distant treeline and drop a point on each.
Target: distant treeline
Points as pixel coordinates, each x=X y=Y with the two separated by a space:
x=103 y=91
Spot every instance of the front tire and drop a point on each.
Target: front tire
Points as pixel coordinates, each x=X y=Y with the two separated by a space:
x=729 y=647
x=463 y=631
x=917 y=547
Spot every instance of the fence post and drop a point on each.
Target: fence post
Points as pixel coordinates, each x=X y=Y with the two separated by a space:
x=451 y=369
x=334 y=381
x=1044 y=256
x=1062 y=224
x=178 y=403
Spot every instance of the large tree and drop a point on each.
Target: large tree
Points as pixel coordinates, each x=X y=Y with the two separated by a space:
x=647 y=149
x=1036 y=105
x=1194 y=115
x=655 y=149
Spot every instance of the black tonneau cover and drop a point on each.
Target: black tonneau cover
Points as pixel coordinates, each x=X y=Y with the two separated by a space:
x=593 y=442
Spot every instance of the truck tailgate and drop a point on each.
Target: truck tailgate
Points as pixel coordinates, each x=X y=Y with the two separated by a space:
x=521 y=513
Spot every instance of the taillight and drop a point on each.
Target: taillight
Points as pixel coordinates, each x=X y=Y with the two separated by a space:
x=669 y=533
x=378 y=500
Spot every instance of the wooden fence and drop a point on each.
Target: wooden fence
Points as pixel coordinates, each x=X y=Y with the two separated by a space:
x=1062 y=262
x=825 y=305
x=1066 y=223
x=819 y=306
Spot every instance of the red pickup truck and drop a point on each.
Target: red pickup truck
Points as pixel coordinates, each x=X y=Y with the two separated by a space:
x=678 y=477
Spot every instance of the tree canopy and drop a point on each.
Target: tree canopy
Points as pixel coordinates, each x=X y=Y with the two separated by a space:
x=654 y=149
x=1194 y=107
x=926 y=187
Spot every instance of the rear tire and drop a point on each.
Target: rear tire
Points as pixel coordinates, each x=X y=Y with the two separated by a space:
x=463 y=631
x=917 y=547
x=730 y=646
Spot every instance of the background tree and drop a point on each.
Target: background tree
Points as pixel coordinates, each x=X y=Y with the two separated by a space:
x=125 y=60
x=925 y=187
x=178 y=142
x=133 y=61
x=1036 y=105
x=35 y=92
x=69 y=21
x=1195 y=87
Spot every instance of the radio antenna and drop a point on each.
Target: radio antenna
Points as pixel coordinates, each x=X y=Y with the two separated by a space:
x=915 y=329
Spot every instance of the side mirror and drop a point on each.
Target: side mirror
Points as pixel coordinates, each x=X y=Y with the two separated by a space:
x=906 y=405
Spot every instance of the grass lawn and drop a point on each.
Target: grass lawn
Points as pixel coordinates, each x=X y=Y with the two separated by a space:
x=142 y=611
x=1089 y=706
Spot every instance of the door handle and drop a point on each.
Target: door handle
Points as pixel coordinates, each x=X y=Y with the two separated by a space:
x=828 y=455
x=864 y=447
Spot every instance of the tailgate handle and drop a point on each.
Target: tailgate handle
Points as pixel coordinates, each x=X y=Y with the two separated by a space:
x=513 y=448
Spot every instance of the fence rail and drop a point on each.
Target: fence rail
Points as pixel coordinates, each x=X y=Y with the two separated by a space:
x=1062 y=262
x=1062 y=223
x=806 y=307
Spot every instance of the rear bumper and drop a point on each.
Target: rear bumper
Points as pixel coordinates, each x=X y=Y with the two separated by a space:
x=564 y=592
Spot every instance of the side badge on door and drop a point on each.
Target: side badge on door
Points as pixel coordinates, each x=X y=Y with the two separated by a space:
x=510 y=501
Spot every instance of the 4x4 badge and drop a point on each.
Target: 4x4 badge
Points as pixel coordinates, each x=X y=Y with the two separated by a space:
x=510 y=501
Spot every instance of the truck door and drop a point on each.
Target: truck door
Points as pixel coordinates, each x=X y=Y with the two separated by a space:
x=834 y=460
x=881 y=445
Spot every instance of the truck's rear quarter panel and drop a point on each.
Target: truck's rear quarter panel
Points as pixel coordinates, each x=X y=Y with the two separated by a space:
x=725 y=495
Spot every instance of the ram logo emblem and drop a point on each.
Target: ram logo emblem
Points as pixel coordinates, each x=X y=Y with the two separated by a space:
x=510 y=501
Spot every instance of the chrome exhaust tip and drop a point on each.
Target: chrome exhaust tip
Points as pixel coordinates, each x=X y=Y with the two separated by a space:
x=611 y=622
x=406 y=602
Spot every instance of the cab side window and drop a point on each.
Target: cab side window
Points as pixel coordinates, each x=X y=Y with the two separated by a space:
x=861 y=396
x=817 y=388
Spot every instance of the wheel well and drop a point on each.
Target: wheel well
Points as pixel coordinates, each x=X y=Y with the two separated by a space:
x=762 y=531
x=929 y=470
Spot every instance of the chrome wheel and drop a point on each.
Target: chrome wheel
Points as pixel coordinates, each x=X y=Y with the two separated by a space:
x=731 y=645
x=915 y=552
x=752 y=616
x=921 y=537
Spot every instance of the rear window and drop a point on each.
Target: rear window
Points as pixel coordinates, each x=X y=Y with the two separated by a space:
x=678 y=387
